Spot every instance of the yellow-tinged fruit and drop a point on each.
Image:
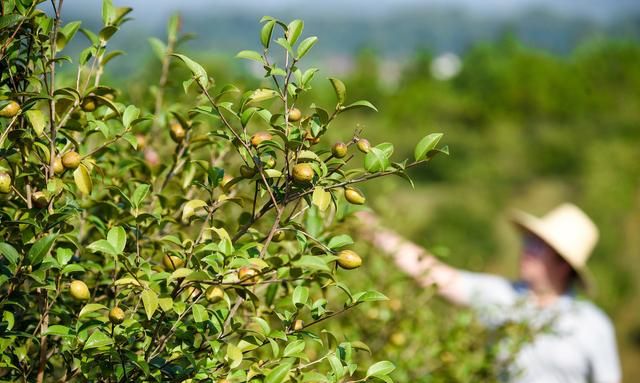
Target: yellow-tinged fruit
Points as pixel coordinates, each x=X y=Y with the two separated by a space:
x=172 y=262
x=89 y=104
x=214 y=294
x=339 y=150
x=348 y=259
x=247 y=172
x=363 y=145
x=39 y=199
x=278 y=236
x=225 y=180
x=79 y=291
x=58 y=166
x=295 y=115
x=71 y=160
x=354 y=196
x=309 y=137
x=5 y=183
x=10 y=110
x=298 y=325
x=260 y=137
x=248 y=276
x=303 y=173
x=116 y=315
x=177 y=132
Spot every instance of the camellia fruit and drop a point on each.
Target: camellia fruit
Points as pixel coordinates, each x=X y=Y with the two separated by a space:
x=278 y=236
x=348 y=259
x=177 y=132
x=5 y=183
x=303 y=173
x=58 y=166
x=339 y=150
x=71 y=160
x=39 y=199
x=309 y=137
x=354 y=196
x=116 y=315
x=259 y=138
x=363 y=145
x=79 y=291
x=248 y=276
x=89 y=104
x=10 y=110
x=172 y=262
x=295 y=115
x=298 y=325
x=214 y=294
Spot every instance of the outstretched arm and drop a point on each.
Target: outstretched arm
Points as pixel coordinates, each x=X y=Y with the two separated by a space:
x=414 y=260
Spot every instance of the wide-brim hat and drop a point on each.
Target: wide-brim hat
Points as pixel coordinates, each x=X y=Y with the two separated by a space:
x=569 y=231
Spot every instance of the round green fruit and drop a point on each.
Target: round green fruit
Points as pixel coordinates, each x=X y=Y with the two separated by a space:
x=248 y=276
x=259 y=138
x=177 y=132
x=363 y=145
x=339 y=150
x=354 y=196
x=5 y=183
x=348 y=259
x=89 y=104
x=303 y=173
x=295 y=115
x=58 y=166
x=116 y=315
x=39 y=199
x=172 y=262
x=10 y=110
x=79 y=291
x=278 y=236
x=214 y=294
x=71 y=160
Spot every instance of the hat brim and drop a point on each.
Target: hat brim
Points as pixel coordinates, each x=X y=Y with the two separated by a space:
x=532 y=224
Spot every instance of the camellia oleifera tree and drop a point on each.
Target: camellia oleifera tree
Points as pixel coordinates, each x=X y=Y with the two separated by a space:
x=119 y=263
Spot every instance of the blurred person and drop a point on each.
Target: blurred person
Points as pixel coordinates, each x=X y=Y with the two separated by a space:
x=581 y=346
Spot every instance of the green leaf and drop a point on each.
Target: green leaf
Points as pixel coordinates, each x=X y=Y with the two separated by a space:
x=37 y=120
x=63 y=255
x=97 y=339
x=82 y=178
x=300 y=296
x=108 y=13
x=259 y=95
x=336 y=366
x=369 y=296
x=9 y=252
x=59 y=330
x=7 y=316
x=294 y=348
x=40 y=249
x=234 y=355
x=279 y=374
x=340 y=241
x=386 y=148
x=359 y=104
x=199 y=313
x=375 y=160
x=150 y=302
x=306 y=45
x=190 y=207
x=380 y=369
x=129 y=115
x=102 y=246
x=91 y=307
x=321 y=198
x=158 y=47
x=340 y=89
x=198 y=71
x=251 y=55
x=117 y=238
x=139 y=194
x=426 y=144
x=311 y=262
x=294 y=29
x=266 y=33
x=166 y=304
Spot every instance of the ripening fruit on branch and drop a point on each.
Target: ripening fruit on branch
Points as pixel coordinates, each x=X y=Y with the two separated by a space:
x=310 y=138
x=58 y=166
x=5 y=183
x=71 y=160
x=295 y=115
x=278 y=236
x=354 y=196
x=116 y=315
x=225 y=180
x=79 y=291
x=298 y=325
x=363 y=145
x=248 y=276
x=172 y=262
x=303 y=173
x=214 y=294
x=89 y=104
x=348 y=259
x=177 y=132
x=259 y=138
x=339 y=150
x=39 y=199
x=10 y=110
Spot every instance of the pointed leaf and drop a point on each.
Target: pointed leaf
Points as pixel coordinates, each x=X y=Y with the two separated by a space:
x=359 y=104
x=9 y=252
x=97 y=339
x=91 y=307
x=199 y=313
x=426 y=144
x=40 y=249
x=190 y=207
x=198 y=71
x=82 y=178
x=321 y=198
x=380 y=369
x=266 y=33
x=306 y=45
x=37 y=120
x=117 y=238
x=294 y=29
x=279 y=374
x=340 y=89
x=251 y=55
x=150 y=302
x=102 y=246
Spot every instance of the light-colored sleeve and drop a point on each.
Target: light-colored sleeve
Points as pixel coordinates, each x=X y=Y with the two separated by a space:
x=480 y=290
x=604 y=360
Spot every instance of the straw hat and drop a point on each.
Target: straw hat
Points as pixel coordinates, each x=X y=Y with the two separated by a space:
x=569 y=231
